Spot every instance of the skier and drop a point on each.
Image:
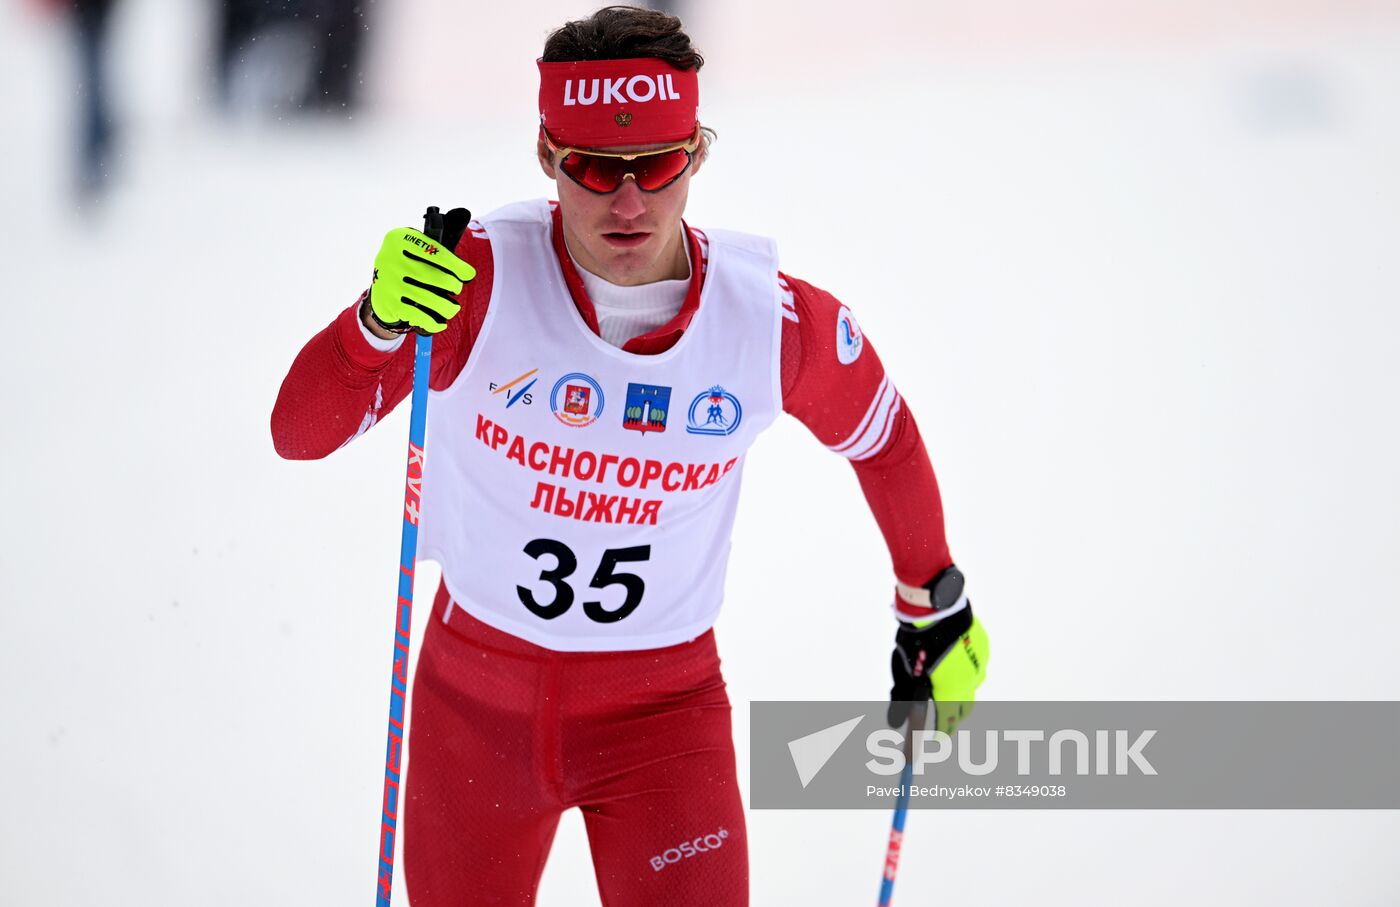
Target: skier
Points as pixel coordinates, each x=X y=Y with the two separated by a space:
x=581 y=515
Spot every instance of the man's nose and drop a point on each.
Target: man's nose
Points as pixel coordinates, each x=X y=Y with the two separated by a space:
x=628 y=201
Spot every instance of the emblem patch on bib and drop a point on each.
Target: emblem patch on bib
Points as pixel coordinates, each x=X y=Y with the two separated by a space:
x=714 y=412
x=516 y=392
x=645 y=409
x=577 y=400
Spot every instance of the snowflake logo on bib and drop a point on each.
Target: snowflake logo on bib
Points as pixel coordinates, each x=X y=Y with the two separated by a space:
x=714 y=412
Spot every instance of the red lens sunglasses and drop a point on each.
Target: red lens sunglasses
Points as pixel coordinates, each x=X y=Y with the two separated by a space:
x=603 y=171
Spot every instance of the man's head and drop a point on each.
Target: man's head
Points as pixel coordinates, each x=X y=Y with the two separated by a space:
x=620 y=83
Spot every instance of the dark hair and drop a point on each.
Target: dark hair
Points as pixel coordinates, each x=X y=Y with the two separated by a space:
x=620 y=33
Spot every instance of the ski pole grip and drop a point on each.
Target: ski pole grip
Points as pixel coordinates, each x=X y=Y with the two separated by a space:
x=432 y=223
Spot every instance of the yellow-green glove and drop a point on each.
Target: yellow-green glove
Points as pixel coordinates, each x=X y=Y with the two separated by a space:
x=943 y=660
x=416 y=282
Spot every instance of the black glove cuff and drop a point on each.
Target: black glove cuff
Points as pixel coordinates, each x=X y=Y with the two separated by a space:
x=367 y=308
x=944 y=630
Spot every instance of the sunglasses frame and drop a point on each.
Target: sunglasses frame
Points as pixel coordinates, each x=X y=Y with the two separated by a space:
x=689 y=146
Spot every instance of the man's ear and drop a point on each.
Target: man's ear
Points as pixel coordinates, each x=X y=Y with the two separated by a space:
x=545 y=157
x=701 y=154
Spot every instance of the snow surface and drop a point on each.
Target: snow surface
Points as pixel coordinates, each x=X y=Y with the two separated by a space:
x=1137 y=277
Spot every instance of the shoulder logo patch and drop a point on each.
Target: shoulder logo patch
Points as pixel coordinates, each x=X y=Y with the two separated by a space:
x=849 y=340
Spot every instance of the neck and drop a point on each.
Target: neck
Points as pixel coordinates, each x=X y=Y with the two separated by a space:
x=672 y=264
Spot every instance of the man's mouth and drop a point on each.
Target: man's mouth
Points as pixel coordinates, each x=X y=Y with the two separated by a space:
x=625 y=240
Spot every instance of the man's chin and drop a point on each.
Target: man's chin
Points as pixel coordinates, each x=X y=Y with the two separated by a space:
x=625 y=266
x=625 y=273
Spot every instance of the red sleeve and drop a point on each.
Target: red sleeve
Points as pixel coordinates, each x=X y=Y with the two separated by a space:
x=834 y=383
x=339 y=385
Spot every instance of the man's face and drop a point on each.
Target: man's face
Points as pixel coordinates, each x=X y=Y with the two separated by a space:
x=627 y=237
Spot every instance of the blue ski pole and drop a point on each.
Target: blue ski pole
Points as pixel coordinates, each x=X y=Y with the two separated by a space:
x=403 y=623
x=901 y=807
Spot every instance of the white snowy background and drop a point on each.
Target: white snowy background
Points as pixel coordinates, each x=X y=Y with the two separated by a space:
x=1135 y=267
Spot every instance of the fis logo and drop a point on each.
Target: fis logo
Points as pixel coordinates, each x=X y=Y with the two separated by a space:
x=714 y=412
x=522 y=395
x=645 y=409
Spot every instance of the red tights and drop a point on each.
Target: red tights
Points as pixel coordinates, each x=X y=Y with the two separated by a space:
x=506 y=735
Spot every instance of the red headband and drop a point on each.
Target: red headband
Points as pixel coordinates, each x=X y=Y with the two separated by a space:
x=612 y=103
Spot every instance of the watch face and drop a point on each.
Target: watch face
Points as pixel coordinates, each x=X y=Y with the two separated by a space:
x=947 y=589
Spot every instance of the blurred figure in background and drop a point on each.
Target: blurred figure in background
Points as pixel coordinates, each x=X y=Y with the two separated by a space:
x=91 y=19
x=289 y=54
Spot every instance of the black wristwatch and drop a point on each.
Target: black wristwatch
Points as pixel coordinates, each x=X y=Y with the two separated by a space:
x=945 y=589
